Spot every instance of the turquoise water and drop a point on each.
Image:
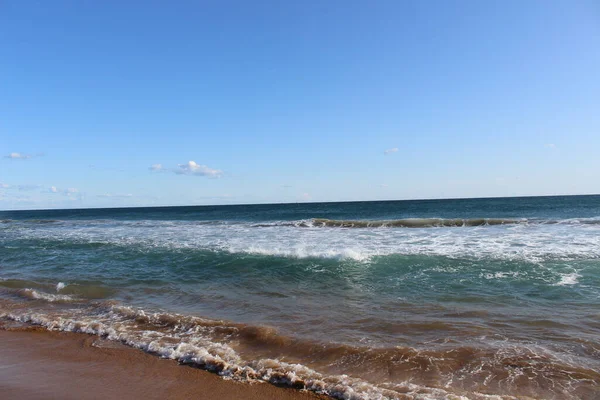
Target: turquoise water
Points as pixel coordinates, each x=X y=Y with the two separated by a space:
x=425 y=299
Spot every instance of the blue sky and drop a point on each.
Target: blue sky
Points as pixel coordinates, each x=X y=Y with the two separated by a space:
x=252 y=102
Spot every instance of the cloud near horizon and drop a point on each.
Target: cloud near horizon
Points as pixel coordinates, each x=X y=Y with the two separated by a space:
x=190 y=168
x=18 y=156
x=66 y=192
x=390 y=151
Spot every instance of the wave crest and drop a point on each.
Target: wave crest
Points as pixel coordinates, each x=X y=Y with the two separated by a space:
x=52 y=298
x=415 y=223
x=396 y=223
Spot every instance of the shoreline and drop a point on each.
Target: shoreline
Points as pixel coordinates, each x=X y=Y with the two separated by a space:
x=38 y=364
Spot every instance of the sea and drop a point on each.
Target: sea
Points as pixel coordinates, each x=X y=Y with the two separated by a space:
x=495 y=298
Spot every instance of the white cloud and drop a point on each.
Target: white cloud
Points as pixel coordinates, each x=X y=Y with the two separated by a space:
x=305 y=196
x=191 y=168
x=4 y=185
x=384 y=185
x=390 y=151
x=18 y=156
x=69 y=192
x=550 y=145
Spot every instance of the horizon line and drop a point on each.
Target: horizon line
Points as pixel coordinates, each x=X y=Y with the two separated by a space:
x=304 y=202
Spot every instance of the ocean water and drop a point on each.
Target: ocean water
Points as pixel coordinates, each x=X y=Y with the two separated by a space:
x=437 y=299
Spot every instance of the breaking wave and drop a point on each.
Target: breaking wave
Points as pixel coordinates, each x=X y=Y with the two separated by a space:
x=330 y=223
x=36 y=295
x=413 y=223
x=252 y=353
x=200 y=351
x=508 y=239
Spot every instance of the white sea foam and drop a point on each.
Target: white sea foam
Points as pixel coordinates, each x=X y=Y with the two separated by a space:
x=568 y=279
x=302 y=252
x=222 y=359
x=529 y=242
x=500 y=275
x=37 y=295
x=60 y=286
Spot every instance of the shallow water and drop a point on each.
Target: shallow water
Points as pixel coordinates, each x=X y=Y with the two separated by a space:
x=407 y=299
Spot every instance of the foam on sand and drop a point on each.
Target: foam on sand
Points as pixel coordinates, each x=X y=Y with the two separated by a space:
x=223 y=360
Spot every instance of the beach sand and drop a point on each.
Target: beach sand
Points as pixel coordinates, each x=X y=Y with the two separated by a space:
x=38 y=364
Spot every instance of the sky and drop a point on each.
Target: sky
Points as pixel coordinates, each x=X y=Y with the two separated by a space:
x=144 y=103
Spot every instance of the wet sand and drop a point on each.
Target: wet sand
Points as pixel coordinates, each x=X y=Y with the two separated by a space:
x=37 y=364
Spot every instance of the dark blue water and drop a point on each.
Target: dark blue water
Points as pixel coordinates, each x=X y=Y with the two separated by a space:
x=432 y=298
x=547 y=207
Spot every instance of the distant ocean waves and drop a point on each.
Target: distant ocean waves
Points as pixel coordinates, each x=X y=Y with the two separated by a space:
x=341 y=223
x=511 y=239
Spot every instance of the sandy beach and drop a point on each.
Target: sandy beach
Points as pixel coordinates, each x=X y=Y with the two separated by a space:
x=36 y=364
